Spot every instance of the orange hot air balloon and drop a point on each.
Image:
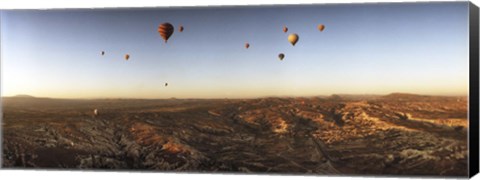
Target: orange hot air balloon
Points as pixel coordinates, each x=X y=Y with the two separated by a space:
x=281 y=56
x=293 y=39
x=285 y=29
x=180 y=28
x=321 y=27
x=165 y=30
x=247 y=45
x=127 y=56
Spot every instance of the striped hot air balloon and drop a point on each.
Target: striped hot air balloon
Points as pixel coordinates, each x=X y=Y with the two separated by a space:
x=165 y=30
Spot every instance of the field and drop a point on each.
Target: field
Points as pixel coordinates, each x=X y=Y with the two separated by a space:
x=400 y=134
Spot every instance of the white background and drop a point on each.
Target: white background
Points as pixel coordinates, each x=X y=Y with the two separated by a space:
x=87 y=175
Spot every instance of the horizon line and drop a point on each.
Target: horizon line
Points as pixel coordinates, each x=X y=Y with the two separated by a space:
x=259 y=97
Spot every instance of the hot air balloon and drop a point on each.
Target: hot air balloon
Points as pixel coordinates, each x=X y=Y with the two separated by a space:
x=165 y=30
x=321 y=27
x=285 y=29
x=103 y=53
x=166 y=84
x=293 y=39
x=281 y=56
x=247 y=45
x=127 y=56
x=180 y=28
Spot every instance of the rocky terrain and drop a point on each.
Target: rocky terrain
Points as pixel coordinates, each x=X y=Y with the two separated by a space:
x=396 y=134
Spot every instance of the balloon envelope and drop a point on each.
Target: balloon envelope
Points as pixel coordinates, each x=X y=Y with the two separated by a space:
x=285 y=29
x=103 y=53
x=321 y=27
x=165 y=30
x=180 y=29
x=127 y=57
x=281 y=56
x=247 y=45
x=293 y=39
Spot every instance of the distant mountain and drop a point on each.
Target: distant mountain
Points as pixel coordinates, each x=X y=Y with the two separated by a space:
x=404 y=95
x=353 y=96
x=23 y=96
x=413 y=97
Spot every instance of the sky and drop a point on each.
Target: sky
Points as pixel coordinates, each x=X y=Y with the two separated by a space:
x=419 y=48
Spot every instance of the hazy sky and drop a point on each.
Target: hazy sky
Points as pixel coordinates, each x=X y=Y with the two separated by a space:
x=364 y=49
